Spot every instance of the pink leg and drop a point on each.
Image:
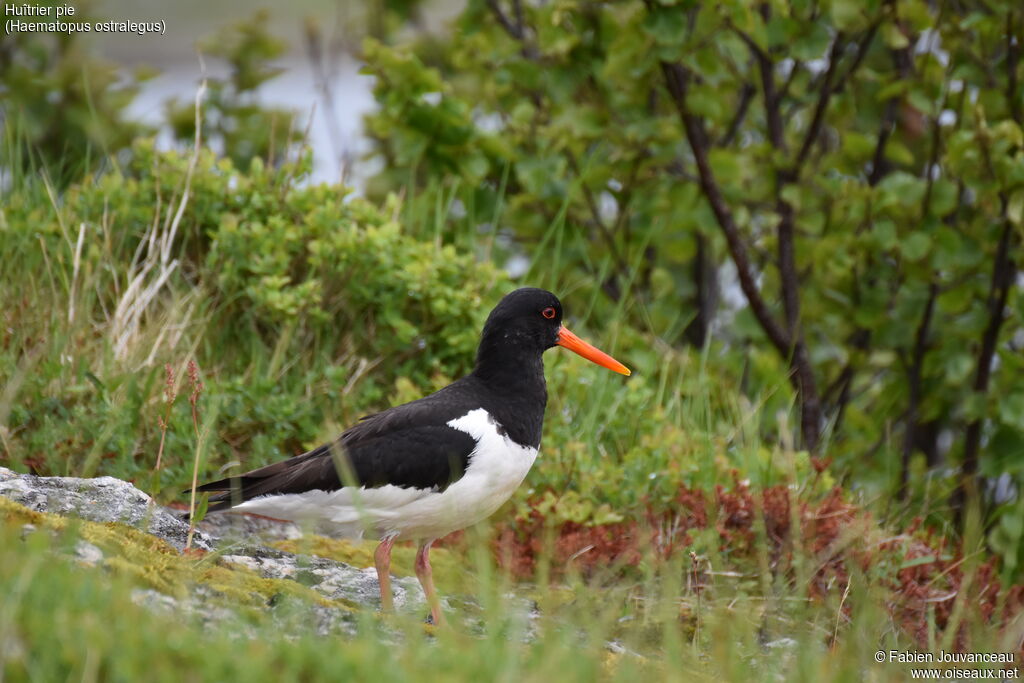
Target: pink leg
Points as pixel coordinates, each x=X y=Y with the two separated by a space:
x=426 y=577
x=382 y=560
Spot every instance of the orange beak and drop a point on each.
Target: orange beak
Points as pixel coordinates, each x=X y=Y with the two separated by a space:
x=591 y=353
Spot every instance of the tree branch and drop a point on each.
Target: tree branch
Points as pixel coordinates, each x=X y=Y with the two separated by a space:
x=879 y=167
x=517 y=30
x=510 y=28
x=771 y=100
x=795 y=350
x=677 y=79
x=862 y=51
x=1003 y=272
x=1012 y=58
x=814 y=130
x=914 y=385
x=621 y=266
x=746 y=95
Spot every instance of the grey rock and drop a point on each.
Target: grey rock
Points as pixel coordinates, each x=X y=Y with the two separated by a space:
x=238 y=538
x=784 y=643
x=334 y=580
x=229 y=527
x=288 y=615
x=87 y=553
x=199 y=606
x=103 y=499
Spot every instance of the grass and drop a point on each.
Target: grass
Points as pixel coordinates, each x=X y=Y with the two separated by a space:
x=660 y=534
x=674 y=620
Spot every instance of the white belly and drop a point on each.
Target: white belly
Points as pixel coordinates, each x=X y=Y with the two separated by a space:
x=496 y=468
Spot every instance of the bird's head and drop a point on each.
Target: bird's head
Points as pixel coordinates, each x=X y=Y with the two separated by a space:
x=530 y=320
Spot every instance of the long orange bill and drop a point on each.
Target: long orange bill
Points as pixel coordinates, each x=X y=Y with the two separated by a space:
x=591 y=353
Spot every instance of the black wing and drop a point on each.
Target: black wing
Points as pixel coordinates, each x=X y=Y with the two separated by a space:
x=409 y=446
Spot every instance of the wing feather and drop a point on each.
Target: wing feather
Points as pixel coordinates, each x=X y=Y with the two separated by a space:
x=409 y=446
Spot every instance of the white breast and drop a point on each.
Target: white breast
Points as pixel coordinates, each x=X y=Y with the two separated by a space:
x=497 y=466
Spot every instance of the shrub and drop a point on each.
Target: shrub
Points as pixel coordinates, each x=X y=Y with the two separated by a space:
x=289 y=294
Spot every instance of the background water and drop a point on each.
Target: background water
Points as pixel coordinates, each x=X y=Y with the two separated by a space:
x=335 y=129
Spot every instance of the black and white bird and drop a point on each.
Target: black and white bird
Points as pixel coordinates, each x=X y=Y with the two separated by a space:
x=424 y=469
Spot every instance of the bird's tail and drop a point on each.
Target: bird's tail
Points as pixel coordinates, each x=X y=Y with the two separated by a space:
x=228 y=492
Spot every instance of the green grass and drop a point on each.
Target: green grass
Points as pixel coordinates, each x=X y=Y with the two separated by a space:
x=65 y=622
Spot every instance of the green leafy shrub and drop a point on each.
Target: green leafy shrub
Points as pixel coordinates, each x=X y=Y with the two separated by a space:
x=281 y=289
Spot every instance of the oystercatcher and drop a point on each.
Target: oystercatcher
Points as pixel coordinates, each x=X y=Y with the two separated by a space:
x=424 y=469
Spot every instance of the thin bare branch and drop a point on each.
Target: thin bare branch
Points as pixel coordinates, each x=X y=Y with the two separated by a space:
x=677 y=80
x=915 y=388
x=746 y=95
x=516 y=29
x=824 y=95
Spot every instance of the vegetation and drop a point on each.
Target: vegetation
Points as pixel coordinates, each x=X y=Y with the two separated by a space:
x=859 y=167
x=63 y=108
x=799 y=224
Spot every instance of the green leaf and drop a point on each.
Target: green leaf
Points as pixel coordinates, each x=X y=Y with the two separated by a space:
x=894 y=37
x=1007 y=449
x=917 y=246
x=706 y=101
x=848 y=15
x=974 y=407
x=793 y=195
x=666 y=25
x=858 y=146
x=948 y=248
x=812 y=42
x=899 y=153
x=901 y=189
x=1015 y=208
x=884 y=232
x=1011 y=409
x=944 y=197
x=958 y=366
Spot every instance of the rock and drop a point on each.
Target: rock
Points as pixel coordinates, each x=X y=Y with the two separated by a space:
x=229 y=527
x=198 y=606
x=103 y=499
x=784 y=643
x=88 y=554
x=238 y=537
x=332 y=579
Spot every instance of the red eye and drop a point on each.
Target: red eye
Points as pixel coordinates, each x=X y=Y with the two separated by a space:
x=548 y=313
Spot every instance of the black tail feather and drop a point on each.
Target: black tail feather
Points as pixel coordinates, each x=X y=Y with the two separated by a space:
x=311 y=470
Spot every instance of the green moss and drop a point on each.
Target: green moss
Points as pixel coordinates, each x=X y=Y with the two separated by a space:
x=242 y=584
x=151 y=562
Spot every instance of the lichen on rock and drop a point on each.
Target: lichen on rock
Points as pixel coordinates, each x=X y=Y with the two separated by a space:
x=103 y=499
x=118 y=528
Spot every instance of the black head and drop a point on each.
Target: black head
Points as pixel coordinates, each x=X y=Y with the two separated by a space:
x=523 y=325
x=527 y=319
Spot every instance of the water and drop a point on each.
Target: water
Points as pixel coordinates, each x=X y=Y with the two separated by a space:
x=337 y=141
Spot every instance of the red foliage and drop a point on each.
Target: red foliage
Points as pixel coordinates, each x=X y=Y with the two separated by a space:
x=584 y=547
x=833 y=531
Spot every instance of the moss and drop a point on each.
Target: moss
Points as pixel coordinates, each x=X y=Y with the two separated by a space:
x=246 y=586
x=151 y=562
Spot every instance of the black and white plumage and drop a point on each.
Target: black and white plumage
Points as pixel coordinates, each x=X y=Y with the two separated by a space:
x=427 y=468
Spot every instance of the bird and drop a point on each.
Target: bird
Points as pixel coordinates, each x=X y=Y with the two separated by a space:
x=424 y=469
